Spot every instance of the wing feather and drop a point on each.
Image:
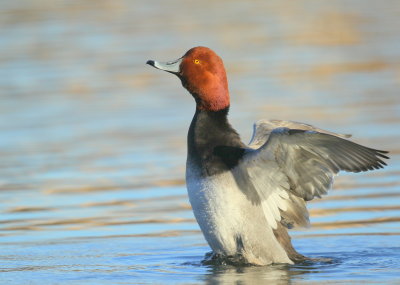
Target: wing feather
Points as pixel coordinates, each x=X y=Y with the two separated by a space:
x=289 y=163
x=263 y=128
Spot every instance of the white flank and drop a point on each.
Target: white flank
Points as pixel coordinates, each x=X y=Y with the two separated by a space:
x=225 y=215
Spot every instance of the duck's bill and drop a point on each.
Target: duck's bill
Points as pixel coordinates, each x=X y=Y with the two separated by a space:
x=170 y=66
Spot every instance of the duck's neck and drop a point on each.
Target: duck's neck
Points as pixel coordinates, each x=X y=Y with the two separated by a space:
x=211 y=135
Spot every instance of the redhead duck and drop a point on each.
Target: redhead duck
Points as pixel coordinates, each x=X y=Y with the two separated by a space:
x=245 y=197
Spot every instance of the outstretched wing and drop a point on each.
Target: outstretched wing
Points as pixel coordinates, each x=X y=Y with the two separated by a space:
x=263 y=128
x=296 y=165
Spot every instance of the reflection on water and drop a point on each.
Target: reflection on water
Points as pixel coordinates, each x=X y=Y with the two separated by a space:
x=93 y=142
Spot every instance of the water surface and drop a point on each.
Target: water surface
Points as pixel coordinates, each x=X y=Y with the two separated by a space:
x=92 y=141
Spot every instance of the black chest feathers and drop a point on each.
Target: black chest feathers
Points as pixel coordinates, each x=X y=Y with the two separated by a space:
x=213 y=145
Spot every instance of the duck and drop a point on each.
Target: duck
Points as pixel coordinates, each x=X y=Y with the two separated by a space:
x=245 y=197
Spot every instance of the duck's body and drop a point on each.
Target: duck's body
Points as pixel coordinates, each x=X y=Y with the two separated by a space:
x=244 y=197
x=233 y=226
x=231 y=223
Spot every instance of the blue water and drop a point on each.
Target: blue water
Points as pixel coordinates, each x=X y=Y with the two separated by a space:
x=93 y=141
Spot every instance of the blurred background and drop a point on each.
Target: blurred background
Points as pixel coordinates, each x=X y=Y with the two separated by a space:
x=93 y=141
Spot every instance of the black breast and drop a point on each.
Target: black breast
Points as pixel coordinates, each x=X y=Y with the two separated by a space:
x=213 y=145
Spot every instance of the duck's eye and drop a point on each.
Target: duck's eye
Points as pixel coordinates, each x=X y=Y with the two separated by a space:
x=196 y=61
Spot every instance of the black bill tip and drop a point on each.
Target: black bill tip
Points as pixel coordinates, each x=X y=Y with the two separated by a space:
x=150 y=62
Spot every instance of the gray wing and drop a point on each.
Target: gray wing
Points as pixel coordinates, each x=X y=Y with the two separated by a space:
x=263 y=128
x=296 y=165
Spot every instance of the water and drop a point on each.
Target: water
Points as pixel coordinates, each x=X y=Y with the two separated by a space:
x=92 y=141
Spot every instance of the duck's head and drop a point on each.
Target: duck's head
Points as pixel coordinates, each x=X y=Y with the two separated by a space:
x=202 y=73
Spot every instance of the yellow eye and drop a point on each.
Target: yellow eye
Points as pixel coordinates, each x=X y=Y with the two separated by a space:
x=196 y=61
